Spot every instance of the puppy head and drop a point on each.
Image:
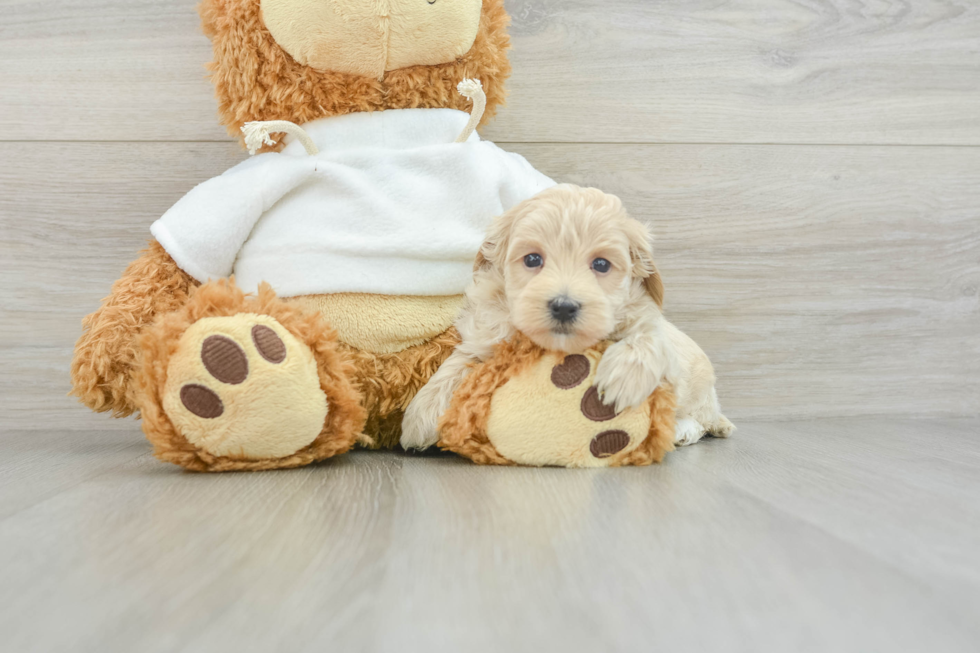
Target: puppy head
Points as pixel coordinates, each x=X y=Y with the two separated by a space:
x=570 y=260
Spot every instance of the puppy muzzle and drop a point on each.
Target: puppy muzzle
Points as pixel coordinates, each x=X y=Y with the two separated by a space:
x=564 y=311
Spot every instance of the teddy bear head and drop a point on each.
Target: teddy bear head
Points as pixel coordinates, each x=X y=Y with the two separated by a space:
x=300 y=60
x=528 y=406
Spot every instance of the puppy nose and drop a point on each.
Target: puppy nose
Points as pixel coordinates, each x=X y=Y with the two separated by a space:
x=563 y=309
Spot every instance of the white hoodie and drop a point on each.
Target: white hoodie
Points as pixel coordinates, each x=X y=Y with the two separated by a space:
x=390 y=205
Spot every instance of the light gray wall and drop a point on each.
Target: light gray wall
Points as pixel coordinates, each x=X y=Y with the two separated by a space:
x=812 y=171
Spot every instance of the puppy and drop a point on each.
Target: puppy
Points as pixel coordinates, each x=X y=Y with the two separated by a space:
x=569 y=268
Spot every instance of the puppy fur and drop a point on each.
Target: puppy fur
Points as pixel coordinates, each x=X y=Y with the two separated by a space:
x=619 y=298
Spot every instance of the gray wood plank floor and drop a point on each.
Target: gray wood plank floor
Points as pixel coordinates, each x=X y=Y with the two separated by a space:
x=838 y=535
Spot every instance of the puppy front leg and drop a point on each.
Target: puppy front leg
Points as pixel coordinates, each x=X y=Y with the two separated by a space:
x=631 y=369
x=420 y=426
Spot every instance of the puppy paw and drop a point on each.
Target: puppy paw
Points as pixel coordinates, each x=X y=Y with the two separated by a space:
x=626 y=379
x=687 y=432
x=420 y=426
x=721 y=428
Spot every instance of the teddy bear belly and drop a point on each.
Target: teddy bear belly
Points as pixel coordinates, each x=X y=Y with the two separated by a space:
x=396 y=343
x=384 y=324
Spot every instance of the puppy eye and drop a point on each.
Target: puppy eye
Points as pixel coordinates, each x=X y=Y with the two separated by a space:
x=601 y=265
x=533 y=261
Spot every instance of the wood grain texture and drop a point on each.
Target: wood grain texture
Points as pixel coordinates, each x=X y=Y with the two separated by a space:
x=842 y=535
x=821 y=280
x=821 y=71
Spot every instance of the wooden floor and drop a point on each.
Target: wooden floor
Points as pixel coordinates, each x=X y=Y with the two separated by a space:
x=837 y=535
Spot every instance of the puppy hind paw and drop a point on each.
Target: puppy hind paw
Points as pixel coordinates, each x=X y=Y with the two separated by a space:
x=417 y=439
x=418 y=432
x=688 y=432
x=721 y=428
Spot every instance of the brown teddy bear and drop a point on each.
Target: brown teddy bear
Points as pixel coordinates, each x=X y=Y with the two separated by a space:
x=295 y=304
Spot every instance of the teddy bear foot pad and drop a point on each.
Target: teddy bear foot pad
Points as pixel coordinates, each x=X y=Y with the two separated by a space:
x=530 y=407
x=244 y=387
x=235 y=382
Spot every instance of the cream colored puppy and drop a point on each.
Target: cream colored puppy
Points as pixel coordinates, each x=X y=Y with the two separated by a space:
x=569 y=268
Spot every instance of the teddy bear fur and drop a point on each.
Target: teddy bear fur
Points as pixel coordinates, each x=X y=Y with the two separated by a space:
x=108 y=356
x=335 y=366
x=255 y=79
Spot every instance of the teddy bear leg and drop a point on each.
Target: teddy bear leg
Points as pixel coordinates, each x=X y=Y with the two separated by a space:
x=104 y=364
x=536 y=408
x=238 y=383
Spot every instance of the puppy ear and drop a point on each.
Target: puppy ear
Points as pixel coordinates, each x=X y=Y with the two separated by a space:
x=494 y=248
x=490 y=251
x=655 y=286
x=486 y=257
x=481 y=262
x=641 y=253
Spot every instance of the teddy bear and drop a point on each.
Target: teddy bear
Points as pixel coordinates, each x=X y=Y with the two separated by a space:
x=292 y=307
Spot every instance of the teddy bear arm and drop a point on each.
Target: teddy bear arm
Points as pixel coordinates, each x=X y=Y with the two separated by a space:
x=106 y=354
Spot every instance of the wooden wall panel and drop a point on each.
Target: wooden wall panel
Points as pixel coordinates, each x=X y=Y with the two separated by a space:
x=821 y=280
x=681 y=71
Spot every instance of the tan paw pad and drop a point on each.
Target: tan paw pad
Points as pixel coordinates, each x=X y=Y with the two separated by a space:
x=243 y=387
x=552 y=414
